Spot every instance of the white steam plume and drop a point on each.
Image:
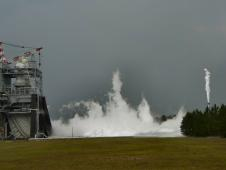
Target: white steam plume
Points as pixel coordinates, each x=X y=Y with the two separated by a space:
x=207 y=85
x=116 y=118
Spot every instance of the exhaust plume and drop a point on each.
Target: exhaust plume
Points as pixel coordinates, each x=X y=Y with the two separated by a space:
x=115 y=118
x=207 y=85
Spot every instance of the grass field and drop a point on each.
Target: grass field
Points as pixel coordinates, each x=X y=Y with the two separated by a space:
x=115 y=153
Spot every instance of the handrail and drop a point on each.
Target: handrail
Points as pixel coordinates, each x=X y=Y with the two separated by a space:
x=22 y=91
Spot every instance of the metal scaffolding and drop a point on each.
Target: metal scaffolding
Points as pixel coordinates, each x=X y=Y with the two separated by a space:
x=23 y=108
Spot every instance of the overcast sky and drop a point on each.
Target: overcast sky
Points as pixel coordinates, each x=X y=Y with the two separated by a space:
x=160 y=46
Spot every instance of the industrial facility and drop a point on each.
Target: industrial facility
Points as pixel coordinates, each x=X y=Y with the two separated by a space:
x=23 y=109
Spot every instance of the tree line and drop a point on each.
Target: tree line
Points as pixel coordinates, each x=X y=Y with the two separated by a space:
x=210 y=122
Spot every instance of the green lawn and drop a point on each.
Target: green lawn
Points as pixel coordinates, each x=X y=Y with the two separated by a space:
x=115 y=153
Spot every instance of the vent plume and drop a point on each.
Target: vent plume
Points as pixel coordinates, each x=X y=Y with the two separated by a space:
x=207 y=85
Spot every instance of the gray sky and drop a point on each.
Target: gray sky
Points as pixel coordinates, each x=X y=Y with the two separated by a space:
x=160 y=46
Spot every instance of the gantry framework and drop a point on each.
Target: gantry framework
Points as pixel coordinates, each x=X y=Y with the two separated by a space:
x=23 y=108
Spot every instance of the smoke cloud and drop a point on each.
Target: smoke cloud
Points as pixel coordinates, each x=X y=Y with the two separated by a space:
x=115 y=118
x=207 y=85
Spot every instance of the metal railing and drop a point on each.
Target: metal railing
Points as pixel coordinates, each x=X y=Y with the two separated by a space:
x=22 y=91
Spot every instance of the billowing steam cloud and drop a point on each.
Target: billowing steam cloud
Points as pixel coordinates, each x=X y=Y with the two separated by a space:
x=116 y=118
x=207 y=85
